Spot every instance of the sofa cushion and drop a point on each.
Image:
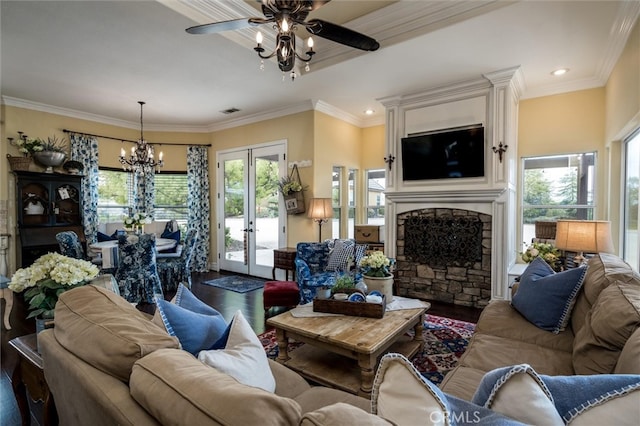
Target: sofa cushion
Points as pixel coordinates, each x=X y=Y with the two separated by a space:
x=243 y=357
x=403 y=396
x=629 y=360
x=518 y=392
x=577 y=400
x=186 y=392
x=604 y=269
x=486 y=352
x=499 y=318
x=106 y=331
x=546 y=298
x=341 y=414
x=319 y=396
x=613 y=318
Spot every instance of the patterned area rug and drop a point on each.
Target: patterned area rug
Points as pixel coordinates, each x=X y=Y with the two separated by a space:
x=237 y=283
x=445 y=341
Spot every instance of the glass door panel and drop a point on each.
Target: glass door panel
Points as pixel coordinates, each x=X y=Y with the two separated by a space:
x=254 y=219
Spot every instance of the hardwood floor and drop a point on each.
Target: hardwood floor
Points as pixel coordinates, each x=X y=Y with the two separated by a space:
x=225 y=301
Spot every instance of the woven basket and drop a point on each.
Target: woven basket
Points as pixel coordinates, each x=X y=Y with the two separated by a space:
x=19 y=163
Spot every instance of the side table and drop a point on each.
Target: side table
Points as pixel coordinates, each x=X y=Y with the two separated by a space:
x=284 y=258
x=29 y=376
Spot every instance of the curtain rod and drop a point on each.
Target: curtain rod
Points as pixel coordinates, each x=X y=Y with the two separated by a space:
x=129 y=140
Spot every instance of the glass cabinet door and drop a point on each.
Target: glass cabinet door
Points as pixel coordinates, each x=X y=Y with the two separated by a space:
x=66 y=208
x=35 y=207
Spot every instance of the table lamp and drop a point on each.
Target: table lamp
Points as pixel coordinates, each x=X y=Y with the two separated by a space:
x=320 y=210
x=584 y=236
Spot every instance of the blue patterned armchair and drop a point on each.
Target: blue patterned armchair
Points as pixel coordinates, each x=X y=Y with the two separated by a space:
x=70 y=244
x=318 y=264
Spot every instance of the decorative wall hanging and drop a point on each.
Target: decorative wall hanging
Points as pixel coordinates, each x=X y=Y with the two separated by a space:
x=292 y=192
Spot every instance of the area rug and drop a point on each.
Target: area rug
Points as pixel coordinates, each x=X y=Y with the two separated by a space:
x=445 y=341
x=237 y=283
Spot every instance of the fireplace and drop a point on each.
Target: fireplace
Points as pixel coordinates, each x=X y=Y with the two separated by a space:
x=444 y=254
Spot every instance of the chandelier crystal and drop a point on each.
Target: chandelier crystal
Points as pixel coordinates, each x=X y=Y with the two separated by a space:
x=285 y=50
x=142 y=155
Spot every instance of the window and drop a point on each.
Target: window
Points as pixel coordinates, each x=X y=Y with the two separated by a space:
x=115 y=195
x=336 y=196
x=631 y=234
x=376 y=185
x=557 y=187
x=352 y=203
x=170 y=196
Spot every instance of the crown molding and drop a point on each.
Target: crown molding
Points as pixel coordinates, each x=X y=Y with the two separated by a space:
x=81 y=115
x=621 y=30
x=560 y=88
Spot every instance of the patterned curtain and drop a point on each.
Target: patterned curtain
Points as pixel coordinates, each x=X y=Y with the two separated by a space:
x=143 y=192
x=84 y=148
x=198 y=204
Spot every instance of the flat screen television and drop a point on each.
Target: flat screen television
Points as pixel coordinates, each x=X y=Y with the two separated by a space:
x=449 y=154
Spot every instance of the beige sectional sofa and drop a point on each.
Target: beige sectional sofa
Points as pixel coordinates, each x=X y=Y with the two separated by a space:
x=603 y=336
x=106 y=363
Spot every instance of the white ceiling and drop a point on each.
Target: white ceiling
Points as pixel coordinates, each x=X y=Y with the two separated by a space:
x=96 y=59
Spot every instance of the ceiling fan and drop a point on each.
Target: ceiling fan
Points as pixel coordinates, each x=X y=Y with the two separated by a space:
x=286 y=15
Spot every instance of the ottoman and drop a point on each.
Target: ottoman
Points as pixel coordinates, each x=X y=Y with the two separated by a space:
x=281 y=293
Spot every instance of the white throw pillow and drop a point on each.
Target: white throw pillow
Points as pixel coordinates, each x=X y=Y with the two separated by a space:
x=243 y=358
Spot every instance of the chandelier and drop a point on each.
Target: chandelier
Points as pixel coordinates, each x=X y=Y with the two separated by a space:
x=142 y=158
x=285 y=50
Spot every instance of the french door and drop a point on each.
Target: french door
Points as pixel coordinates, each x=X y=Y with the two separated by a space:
x=251 y=215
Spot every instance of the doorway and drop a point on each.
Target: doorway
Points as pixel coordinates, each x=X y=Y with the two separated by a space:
x=252 y=219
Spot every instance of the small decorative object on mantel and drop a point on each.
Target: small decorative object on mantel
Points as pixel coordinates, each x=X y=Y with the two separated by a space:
x=500 y=150
x=293 y=192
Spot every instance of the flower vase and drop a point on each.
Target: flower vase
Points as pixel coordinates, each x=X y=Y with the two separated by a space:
x=41 y=325
x=382 y=284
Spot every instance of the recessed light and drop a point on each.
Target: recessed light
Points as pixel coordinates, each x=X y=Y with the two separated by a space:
x=369 y=111
x=560 y=71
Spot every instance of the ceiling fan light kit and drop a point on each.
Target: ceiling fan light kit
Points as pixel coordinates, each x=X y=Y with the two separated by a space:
x=286 y=15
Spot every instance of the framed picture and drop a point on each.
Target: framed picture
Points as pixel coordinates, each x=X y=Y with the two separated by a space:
x=294 y=203
x=291 y=204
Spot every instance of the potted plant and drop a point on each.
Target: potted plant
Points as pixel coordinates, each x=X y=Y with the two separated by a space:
x=376 y=273
x=51 y=154
x=293 y=192
x=344 y=284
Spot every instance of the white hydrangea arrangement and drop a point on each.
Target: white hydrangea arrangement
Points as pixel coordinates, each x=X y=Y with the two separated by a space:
x=136 y=220
x=376 y=264
x=48 y=277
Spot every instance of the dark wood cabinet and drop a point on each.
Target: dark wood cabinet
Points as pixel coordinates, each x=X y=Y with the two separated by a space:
x=46 y=203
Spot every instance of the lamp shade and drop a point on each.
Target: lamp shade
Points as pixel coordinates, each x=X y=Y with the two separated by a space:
x=587 y=236
x=320 y=208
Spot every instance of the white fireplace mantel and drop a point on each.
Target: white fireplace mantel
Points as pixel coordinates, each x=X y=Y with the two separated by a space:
x=493 y=102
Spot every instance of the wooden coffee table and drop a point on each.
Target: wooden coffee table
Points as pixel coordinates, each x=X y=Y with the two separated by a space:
x=343 y=351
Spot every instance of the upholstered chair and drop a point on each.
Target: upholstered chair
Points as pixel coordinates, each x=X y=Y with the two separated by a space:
x=70 y=244
x=319 y=264
x=175 y=270
x=137 y=273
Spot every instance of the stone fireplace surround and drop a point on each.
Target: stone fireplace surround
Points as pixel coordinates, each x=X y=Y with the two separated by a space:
x=444 y=255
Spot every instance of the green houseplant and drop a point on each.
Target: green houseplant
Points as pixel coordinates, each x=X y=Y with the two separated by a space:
x=376 y=273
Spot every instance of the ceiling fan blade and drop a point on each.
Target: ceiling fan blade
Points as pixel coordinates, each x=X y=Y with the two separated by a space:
x=316 y=4
x=216 y=27
x=341 y=35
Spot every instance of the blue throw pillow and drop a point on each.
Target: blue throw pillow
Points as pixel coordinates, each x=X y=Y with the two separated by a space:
x=546 y=298
x=104 y=237
x=172 y=236
x=197 y=325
